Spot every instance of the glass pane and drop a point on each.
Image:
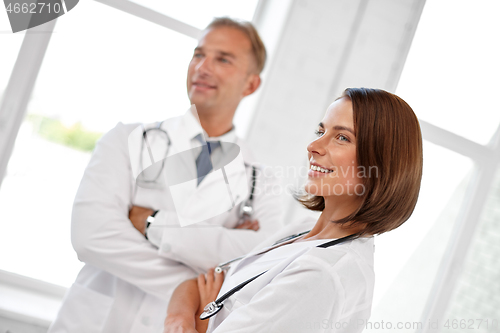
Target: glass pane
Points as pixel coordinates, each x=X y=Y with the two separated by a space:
x=407 y=259
x=475 y=303
x=130 y=71
x=451 y=75
x=10 y=44
x=36 y=198
x=93 y=75
x=199 y=13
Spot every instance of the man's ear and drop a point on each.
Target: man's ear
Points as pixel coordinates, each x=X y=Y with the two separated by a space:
x=253 y=83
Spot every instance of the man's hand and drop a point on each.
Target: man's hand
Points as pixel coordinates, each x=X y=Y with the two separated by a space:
x=138 y=216
x=250 y=225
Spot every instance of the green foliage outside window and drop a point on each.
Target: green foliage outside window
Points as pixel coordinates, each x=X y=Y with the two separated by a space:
x=75 y=136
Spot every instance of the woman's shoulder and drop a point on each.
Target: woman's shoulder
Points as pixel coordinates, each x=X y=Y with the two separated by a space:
x=347 y=267
x=343 y=260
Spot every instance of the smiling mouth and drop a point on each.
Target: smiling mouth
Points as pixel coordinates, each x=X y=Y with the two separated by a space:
x=319 y=169
x=203 y=86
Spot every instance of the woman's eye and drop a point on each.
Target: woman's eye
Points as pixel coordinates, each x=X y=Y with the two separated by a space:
x=343 y=138
x=318 y=133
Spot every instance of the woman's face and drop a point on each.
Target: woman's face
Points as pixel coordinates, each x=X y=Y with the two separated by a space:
x=334 y=151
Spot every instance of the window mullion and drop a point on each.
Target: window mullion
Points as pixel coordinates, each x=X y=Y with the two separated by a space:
x=20 y=87
x=456 y=251
x=456 y=143
x=153 y=16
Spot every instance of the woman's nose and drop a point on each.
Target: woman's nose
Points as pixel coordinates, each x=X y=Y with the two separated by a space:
x=316 y=146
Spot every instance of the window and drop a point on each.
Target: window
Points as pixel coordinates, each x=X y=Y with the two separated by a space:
x=94 y=74
x=450 y=76
x=449 y=79
x=475 y=302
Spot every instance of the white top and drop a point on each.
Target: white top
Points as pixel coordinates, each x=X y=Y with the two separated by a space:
x=307 y=289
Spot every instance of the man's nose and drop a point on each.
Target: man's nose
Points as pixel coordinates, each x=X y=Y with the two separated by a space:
x=204 y=66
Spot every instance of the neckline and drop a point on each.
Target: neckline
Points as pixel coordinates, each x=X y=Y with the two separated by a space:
x=293 y=241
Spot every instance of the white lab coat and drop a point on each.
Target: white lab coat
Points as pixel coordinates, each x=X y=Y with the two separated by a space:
x=126 y=282
x=307 y=289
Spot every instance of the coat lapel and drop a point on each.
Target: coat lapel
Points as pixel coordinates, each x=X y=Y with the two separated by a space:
x=245 y=294
x=180 y=167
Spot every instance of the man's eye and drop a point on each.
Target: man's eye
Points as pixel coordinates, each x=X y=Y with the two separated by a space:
x=224 y=60
x=318 y=133
x=197 y=55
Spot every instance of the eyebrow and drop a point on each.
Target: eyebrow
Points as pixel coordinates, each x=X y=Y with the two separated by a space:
x=227 y=54
x=222 y=53
x=339 y=128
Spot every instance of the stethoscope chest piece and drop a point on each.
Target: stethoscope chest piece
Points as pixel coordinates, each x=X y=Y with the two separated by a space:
x=246 y=211
x=210 y=310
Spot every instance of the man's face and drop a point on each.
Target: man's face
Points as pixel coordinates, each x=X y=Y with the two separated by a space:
x=220 y=72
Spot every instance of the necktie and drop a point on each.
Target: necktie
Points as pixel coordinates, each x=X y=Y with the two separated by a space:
x=203 y=162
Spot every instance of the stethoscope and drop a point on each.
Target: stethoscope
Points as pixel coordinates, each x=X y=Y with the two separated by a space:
x=246 y=209
x=146 y=142
x=225 y=265
x=214 y=307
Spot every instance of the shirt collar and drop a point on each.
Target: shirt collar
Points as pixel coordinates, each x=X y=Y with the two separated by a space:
x=194 y=129
x=224 y=138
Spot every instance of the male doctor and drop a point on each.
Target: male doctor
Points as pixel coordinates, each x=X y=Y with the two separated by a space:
x=126 y=282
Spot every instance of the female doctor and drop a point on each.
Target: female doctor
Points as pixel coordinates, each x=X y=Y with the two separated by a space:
x=365 y=172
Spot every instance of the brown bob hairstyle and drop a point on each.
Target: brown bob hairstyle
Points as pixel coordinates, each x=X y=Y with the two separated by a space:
x=388 y=138
x=258 y=48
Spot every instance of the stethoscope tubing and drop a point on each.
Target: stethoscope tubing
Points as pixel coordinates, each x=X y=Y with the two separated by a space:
x=247 y=206
x=214 y=307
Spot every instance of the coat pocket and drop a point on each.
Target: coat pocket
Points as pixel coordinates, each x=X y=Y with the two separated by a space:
x=83 y=311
